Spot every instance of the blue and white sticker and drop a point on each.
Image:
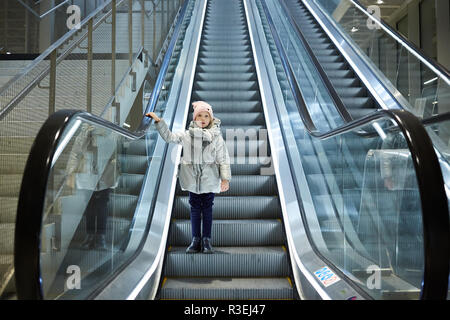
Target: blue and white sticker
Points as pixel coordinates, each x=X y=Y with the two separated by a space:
x=326 y=276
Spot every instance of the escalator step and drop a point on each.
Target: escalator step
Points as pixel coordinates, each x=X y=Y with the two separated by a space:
x=228 y=207
x=227 y=288
x=262 y=232
x=236 y=262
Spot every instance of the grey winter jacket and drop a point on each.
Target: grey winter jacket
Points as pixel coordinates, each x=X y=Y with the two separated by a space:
x=205 y=161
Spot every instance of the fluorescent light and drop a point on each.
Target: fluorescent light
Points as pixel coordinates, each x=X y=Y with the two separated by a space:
x=126 y=125
x=431 y=80
x=354 y=29
x=380 y=1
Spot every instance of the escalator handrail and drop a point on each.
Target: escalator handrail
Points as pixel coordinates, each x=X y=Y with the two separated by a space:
x=332 y=91
x=416 y=51
x=430 y=181
x=30 y=207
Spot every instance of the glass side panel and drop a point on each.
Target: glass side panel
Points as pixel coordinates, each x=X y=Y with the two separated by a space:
x=93 y=206
x=99 y=199
x=359 y=191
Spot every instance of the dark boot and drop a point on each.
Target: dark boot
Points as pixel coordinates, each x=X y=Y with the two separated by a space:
x=207 y=248
x=88 y=243
x=195 y=247
x=100 y=242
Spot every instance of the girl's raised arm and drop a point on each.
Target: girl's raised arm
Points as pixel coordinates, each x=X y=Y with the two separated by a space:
x=164 y=131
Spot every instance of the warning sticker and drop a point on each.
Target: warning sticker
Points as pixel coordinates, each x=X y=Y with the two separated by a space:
x=326 y=276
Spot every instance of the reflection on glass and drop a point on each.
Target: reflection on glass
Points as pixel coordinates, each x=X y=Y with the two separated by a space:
x=90 y=205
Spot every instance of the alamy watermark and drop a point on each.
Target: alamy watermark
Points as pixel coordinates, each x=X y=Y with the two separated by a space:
x=74 y=279
x=74 y=19
x=375 y=12
x=374 y=280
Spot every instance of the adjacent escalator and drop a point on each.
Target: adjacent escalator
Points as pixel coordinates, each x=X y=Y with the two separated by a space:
x=364 y=185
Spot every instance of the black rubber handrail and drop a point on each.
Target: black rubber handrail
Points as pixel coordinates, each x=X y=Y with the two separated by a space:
x=30 y=209
x=435 y=217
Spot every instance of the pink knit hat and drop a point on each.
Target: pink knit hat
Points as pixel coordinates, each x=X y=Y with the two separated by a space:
x=200 y=106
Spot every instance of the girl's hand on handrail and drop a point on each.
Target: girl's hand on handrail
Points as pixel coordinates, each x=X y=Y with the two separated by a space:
x=153 y=116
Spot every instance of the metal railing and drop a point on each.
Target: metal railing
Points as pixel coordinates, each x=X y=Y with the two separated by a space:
x=40 y=16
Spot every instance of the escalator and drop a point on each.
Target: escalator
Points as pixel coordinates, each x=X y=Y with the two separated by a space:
x=304 y=218
x=251 y=260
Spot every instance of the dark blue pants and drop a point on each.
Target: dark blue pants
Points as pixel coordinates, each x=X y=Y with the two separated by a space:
x=201 y=204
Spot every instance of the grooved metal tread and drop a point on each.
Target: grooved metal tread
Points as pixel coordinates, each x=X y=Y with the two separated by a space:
x=227 y=288
x=269 y=261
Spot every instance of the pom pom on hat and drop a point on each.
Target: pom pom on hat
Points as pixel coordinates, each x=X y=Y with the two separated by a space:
x=200 y=106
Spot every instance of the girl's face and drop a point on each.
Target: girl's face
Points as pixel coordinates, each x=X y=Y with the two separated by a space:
x=203 y=119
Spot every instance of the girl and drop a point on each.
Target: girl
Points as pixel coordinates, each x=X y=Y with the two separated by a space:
x=204 y=168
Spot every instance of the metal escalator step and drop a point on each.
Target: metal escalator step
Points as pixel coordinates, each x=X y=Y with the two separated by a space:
x=227 y=54
x=225 y=68
x=230 y=207
x=8 y=209
x=232 y=95
x=226 y=85
x=122 y=205
x=233 y=43
x=339 y=74
x=236 y=130
x=225 y=76
x=262 y=232
x=322 y=46
x=133 y=163
x=138 y=147
x=358 y=102
x=10 y=184
x=351 y=91
x=334 y=65
x=7 y=238
x=16 y=145
x=248 y=185
x=226 y=48
x=265 y=261
x=330 y=58
x=209 y=29
x=227 y=288
x=12 y=163
x=130 y=184
x=225 y=37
